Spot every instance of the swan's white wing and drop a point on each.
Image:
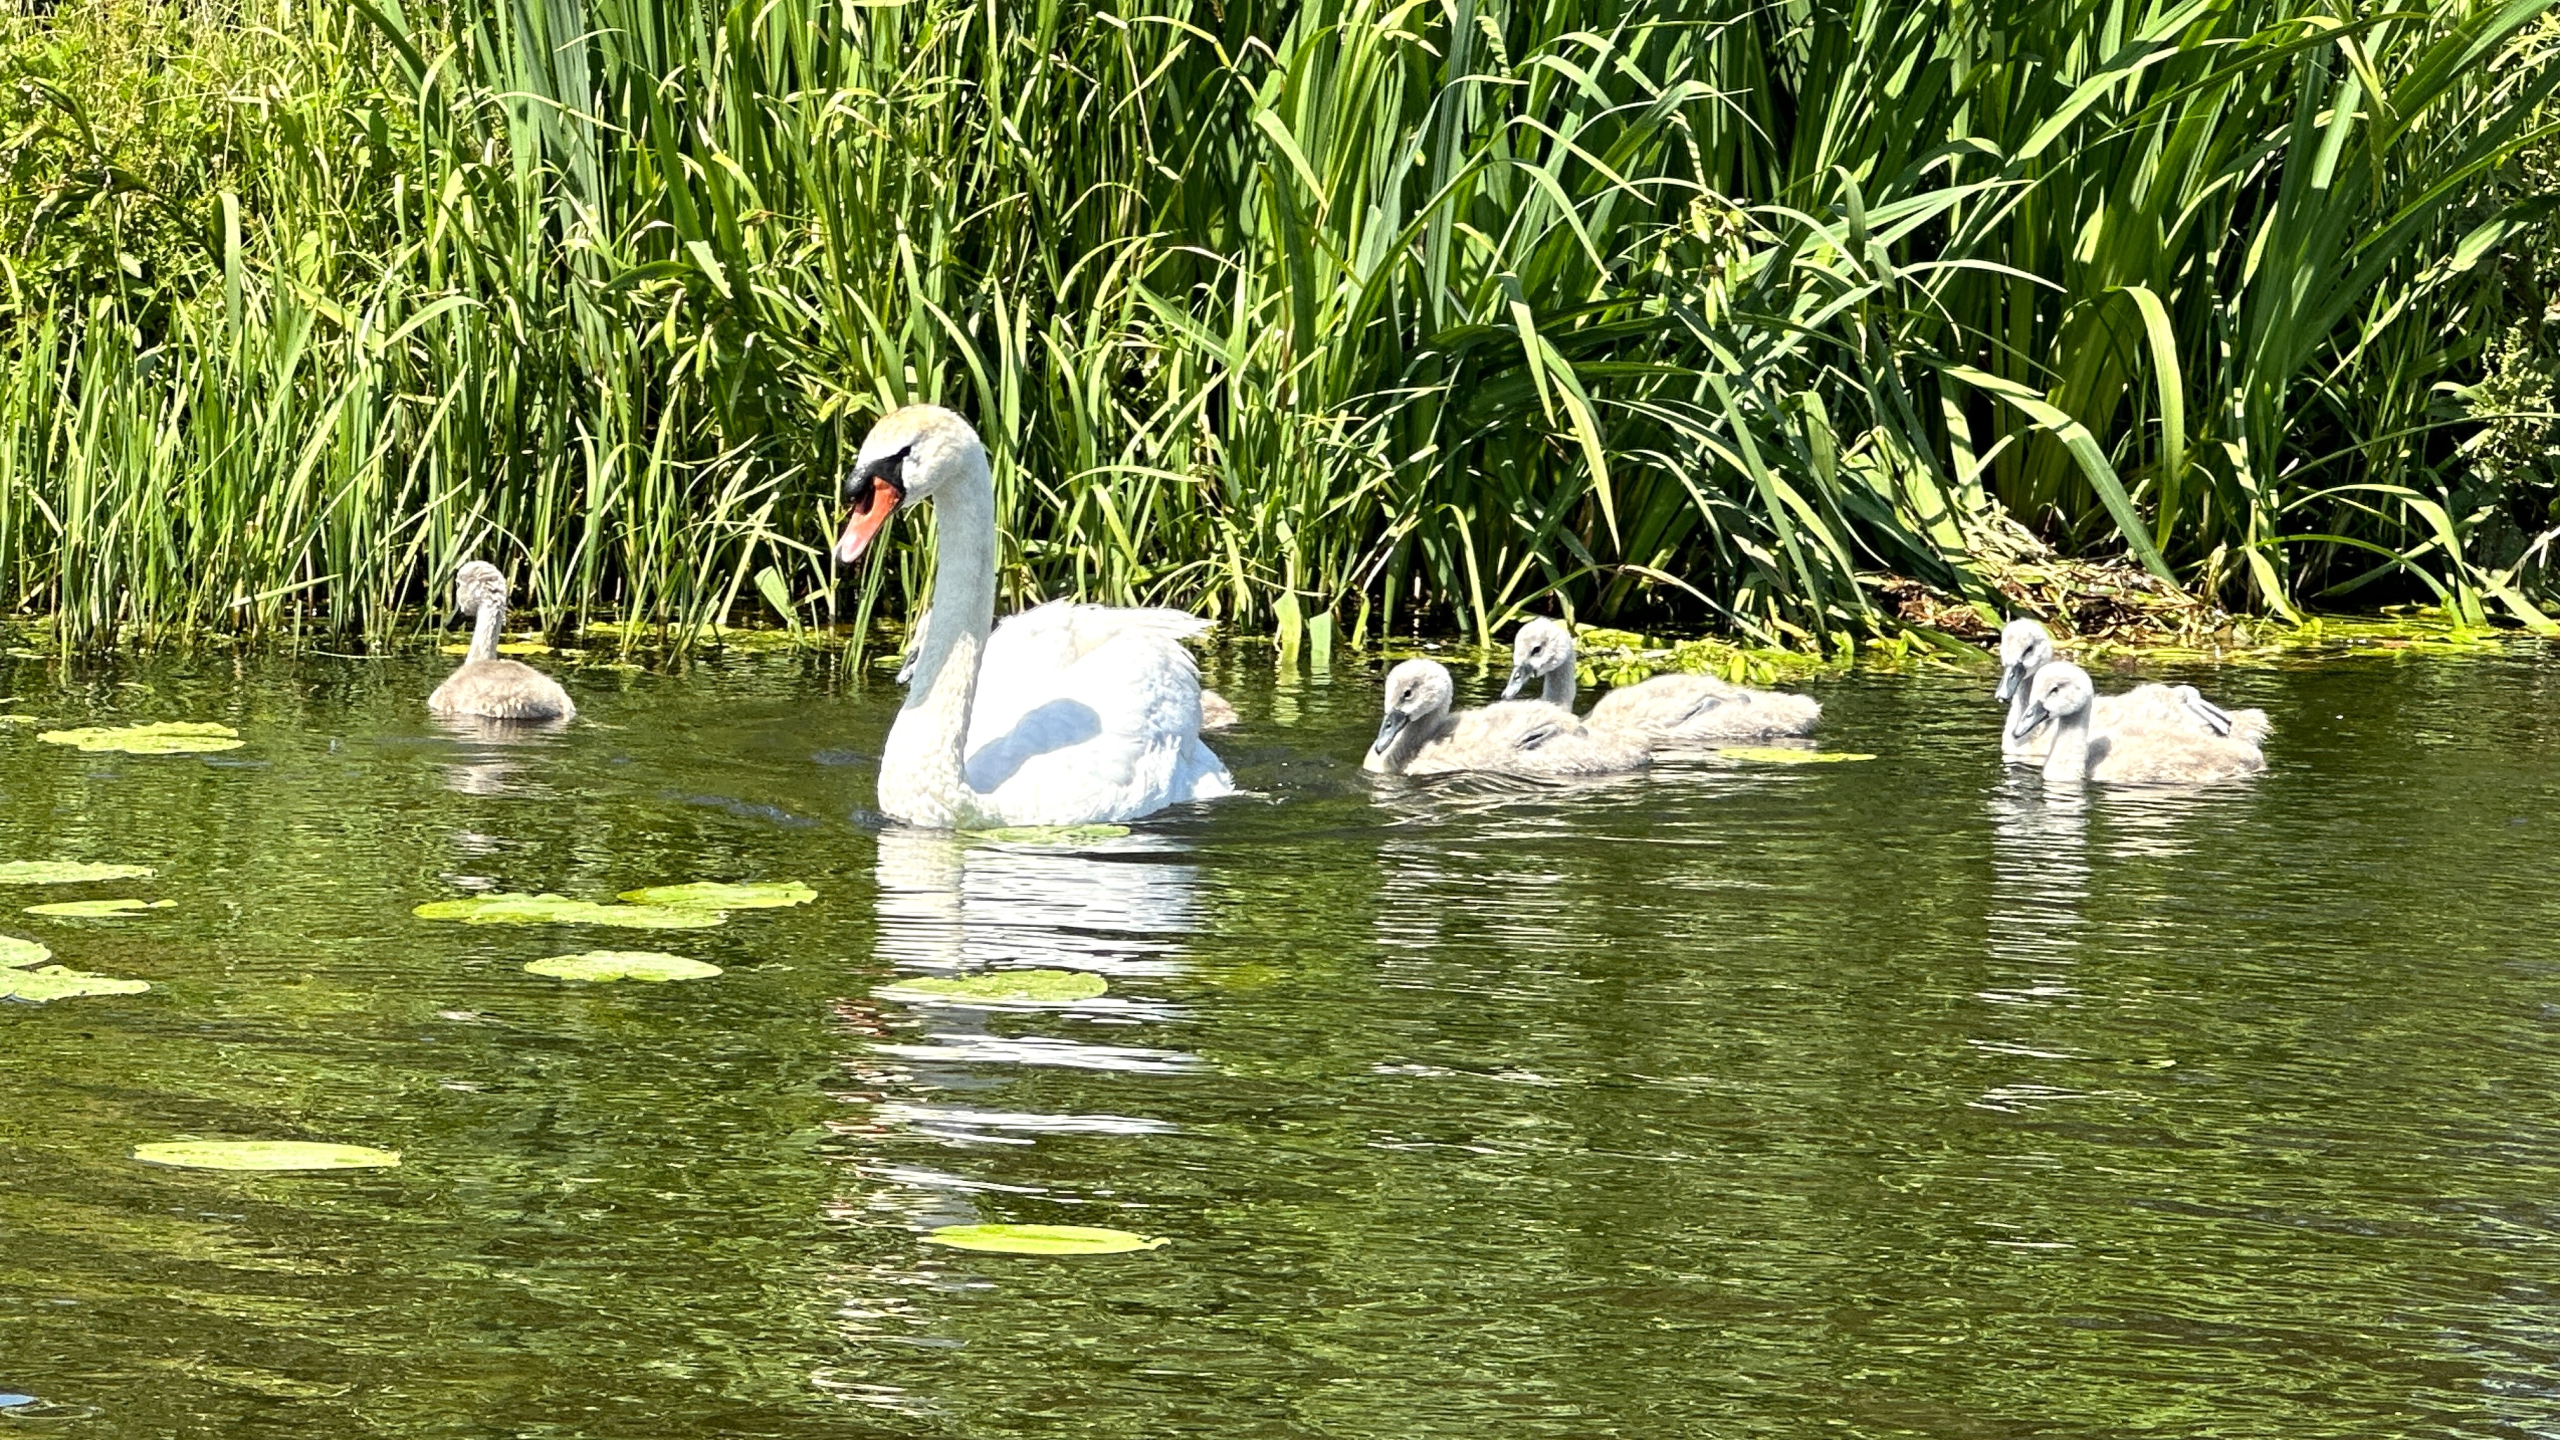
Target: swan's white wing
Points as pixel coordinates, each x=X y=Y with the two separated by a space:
x=1028 y=653
x=1092 y=720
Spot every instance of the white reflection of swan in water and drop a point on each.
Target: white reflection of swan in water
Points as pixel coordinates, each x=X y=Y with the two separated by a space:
x=2035 y=925
x=488 y=753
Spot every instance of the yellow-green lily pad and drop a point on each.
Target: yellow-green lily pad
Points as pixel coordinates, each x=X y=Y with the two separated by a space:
x=1779 y=755
x=15 y=952
x=1004 y=987
x=165 y=737
x=604 y=965
x=66 y=872
x=561 y=910
x=1050 y=834
x=98 y=909
x=1042 y=1239
x=715 y=895
x=265 y=1155
x=59 y=982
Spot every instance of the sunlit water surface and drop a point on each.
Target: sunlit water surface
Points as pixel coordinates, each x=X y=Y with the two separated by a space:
x=1889 y=1098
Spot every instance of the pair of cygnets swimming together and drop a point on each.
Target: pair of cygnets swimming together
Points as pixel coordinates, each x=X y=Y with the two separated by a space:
x=2057 y=722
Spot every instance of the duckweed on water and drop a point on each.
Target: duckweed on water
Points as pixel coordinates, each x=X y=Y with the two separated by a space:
x=15 y=952
x=1049 y=834
x=166 y=737
x=561 y=910
x=59 y=982
x=714 y=895
x=1004 y=987
x=98 y=909
x=608 y=965
x=265 y=1155
x=1043 y=1239
x=66 y=872
x=1778 y=755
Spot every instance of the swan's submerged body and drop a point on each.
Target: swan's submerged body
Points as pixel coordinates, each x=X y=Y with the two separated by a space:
x=1419 y=736
x=2026 y=647
x=484 y=684
x=1663 y=712
x=1065 y=714
x=2061 y=700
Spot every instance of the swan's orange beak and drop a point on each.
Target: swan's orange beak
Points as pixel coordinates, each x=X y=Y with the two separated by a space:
x=875 y=499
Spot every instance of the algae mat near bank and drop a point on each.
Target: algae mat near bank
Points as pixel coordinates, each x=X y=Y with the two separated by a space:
x=1743 y=1097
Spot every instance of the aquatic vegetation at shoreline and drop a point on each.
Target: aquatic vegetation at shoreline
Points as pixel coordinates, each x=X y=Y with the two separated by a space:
x=61 y=982
x=1000 y=987
x=261 y=1155
x=603 y=966
x=67 y=872
x=98 y=909
x=1042 y=1239
x=719 y=895
x=165 y=737
x=548 y=909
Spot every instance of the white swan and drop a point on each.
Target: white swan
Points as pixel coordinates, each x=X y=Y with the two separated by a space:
x=1216 y=711
x=2027 y=647
x=1665 y=710
x=483 y=684
x=2062 y=697
x=1067 y=714
x=1418 y=735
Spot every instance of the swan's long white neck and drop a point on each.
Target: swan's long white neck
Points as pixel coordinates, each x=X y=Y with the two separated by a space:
x=2069 y=758
x=484 y=631
x=924 y=775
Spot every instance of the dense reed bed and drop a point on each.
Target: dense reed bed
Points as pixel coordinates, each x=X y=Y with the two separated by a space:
x=1340 y=313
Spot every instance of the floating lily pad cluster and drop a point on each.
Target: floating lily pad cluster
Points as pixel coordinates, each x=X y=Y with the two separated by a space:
x=1003 y=987
x=165 y=737
x=1780 y=755
x=605 y=965
x=264 y=1155
x=1043 y=1239
x=695 y=906
x=24 y=977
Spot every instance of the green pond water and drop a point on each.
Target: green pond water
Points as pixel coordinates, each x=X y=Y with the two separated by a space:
x=1883 y=1098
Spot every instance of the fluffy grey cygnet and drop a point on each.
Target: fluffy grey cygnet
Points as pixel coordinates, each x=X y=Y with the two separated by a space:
x=1664 y=711
x=2026 y=647
x=1418 y=735
x=486 y=685
x=2062 y=697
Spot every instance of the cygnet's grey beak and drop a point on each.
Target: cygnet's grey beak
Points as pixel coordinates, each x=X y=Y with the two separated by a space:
x=1388 y=729
x=1522 y=677
x=2216 y=719
x=2010 y=676
x=2030 y=720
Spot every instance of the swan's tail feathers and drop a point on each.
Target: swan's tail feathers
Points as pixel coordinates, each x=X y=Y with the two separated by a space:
x=2250 y=727
x=1787 y=714
x=1202 y=775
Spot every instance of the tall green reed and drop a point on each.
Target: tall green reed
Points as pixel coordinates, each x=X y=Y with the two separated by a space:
x=1341 y=313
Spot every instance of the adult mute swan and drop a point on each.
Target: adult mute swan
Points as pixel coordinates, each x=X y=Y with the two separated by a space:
x=1216 y=711
x=2026 y=647
x=484 y=684
x=1418 y=735
x=1665 y=710
x=2062 y=696
x=1066 y=714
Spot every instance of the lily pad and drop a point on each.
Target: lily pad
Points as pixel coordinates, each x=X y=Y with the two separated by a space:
x=713 y=895
x=58 y=982
x=601 y=965
x=265 y=1155
x=98 y=909
x=15 y=952
x=1003 y=987
x=1042 y=1239
x=1050 y=834
x=66 y=872
x=1779 y=755
x=165 y=737
x=561 y=910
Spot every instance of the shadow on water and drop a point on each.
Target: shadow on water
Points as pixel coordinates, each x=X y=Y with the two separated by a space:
x=1894 y=1097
